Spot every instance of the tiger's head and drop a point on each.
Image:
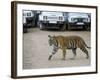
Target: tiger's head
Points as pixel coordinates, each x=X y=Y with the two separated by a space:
x=52 y=40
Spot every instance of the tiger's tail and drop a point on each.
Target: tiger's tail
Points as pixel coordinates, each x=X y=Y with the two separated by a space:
x=87 y=46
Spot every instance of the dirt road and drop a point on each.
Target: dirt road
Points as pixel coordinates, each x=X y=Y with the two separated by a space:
x=36 y=50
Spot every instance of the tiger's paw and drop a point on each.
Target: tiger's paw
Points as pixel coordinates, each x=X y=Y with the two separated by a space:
x=87 y=57
x=63 y=59
x=50 y=57
x=72 y=58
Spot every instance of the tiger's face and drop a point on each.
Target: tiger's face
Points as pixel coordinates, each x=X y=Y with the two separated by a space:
x=51 y=40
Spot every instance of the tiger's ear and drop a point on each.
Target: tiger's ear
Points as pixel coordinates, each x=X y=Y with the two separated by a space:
x=53 y=35
x=49 y=36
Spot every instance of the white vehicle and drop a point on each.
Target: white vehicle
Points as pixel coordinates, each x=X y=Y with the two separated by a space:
x=79 y=20
x=27 y=14
x=28 y=19
x=49 y=19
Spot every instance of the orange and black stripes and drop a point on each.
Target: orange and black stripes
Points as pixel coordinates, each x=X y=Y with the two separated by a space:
x=67 y=42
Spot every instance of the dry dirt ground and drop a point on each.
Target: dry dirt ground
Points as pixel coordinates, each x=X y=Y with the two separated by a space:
x=36 y=50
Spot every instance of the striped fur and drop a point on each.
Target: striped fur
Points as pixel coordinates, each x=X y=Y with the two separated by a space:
x=67 y=42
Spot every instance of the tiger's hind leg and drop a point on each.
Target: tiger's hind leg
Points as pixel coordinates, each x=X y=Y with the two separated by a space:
x=64 y=53
x=74 y=52
x=85 y=51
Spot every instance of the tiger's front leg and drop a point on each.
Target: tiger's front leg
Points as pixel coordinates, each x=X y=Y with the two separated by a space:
x=55 y=49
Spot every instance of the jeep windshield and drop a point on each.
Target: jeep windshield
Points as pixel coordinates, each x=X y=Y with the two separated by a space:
x=47 y=13
x=78 y=15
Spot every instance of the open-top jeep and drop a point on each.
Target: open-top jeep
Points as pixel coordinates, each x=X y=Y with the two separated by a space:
x=53 y=20
x=28 y=19
x=79 y=20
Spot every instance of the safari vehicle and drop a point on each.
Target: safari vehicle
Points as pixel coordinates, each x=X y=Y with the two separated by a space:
x=79 y=20
x=52 y=20
x=28 y=19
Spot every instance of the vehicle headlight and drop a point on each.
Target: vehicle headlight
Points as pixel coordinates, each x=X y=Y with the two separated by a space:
x=60 y=18
x=44 y=17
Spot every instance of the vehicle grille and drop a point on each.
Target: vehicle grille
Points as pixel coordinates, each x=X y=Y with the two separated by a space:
x=80 y=19
x=52 y=18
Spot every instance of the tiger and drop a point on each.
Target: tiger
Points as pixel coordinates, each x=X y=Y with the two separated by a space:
x=67 y=42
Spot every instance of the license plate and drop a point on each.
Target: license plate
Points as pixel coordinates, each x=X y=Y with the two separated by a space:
x=52 y=21
x=80 y=23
